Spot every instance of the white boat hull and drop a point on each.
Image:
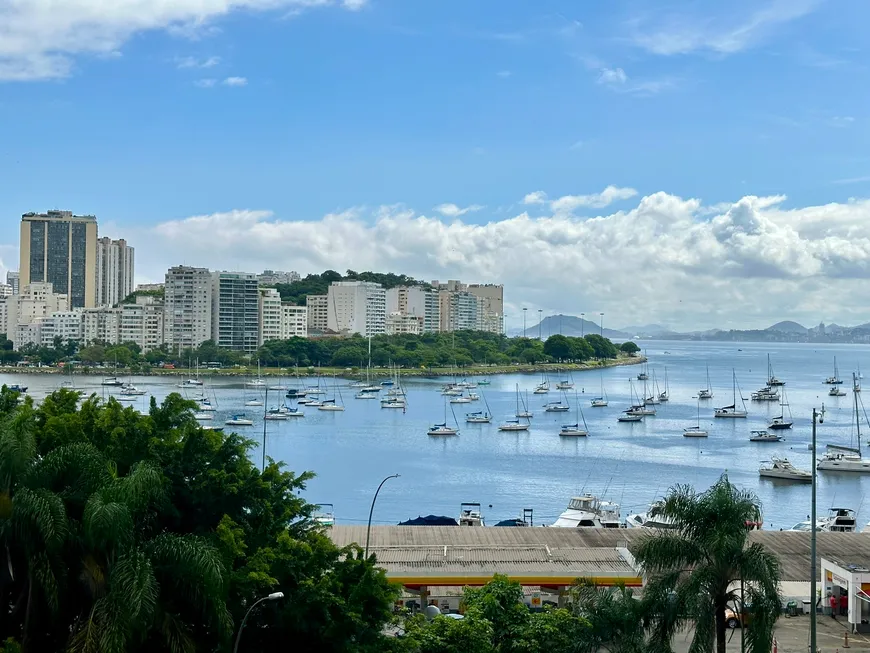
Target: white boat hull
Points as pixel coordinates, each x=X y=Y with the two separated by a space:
x=695 y=433
x=785 y=476
x=579 y=433
x=845 y=465
x=730 y=414
x=513 y=427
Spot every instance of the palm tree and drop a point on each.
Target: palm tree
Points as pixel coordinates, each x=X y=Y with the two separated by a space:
x=701 y=562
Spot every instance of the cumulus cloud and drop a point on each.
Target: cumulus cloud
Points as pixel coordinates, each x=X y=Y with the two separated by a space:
x=193 y=62
x=612 y=76
x=454 y=211
x=667 y=259
x=537 y=197
x=39 y=39
x=235 y=81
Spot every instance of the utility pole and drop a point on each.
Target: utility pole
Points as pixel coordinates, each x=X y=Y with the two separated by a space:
x=524 y=321
x=602 y=324
x=582 y=323
x=818 y=416
x=540 y=323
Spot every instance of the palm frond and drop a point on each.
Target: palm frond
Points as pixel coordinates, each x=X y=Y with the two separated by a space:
x=39 y=515
x=144 y=485
x=666 y=552
x=106 y=524
x=133 y=583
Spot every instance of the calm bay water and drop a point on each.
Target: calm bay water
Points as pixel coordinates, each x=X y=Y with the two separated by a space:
x=632 y=464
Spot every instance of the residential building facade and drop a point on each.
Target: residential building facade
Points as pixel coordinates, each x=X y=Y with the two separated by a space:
x=32 y=305
x=271 y=277
x=101 y=325
x=235 y=311
x=115 y=270
x=270 y=314
x=474 y=306
x=142 y=323
x=13 y=279
x=398 y=323
x=357 y=307
x=421 y=303
x=294 y=321
x=60 y=248
x=5 y=290
x=187 y=308
x=318 y=313
x=65 y=325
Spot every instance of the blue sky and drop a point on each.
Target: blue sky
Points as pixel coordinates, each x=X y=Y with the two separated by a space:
x=264 y=116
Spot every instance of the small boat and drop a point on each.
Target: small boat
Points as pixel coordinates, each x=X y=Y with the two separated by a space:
x=628 y=417
x=525 y=413
x=706 y=393
x=556 y=407
x=542 y=389
x=695 y=431
x=574 y=430
x=732 y=411
x=478 y=417
x=443 y=428
x=460 y=400
x=387 y=383
x=836 y=391
x=294 y=393
x=130 y=390
x=588 y=511
x=513 y=425
x=767 y=393
x=365 y=395
x=258 y=382
x=483 y=382
x=205 y=406
x=646 y=520
x=565 y=384
x=276 y=416
x=239 y=420
x=839 y=520
x=470 y=515
x=771 y=377
x=666 y=394
x=330 y=406
x=112 y=382
x=601 y=400
x=392 y=403
x=253 y=403
x=474 y=396
x=762 y=435
x=17 y=388
x=314 y=403
x=835 y=379
x=782 y=469
x=846 y=459
x=324 y=515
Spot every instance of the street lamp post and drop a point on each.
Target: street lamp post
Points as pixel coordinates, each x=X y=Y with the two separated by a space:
x=265 y=408
x=818 y=416
x=371 y=512
x=602 y=324
x=540 y=323
x=582 y=315
x=524 y=322
x=274 y=596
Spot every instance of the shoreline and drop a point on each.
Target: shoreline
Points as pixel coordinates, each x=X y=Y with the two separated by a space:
x=273 y=372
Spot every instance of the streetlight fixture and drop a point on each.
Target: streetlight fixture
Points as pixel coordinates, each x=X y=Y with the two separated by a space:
x=372 y=510
x=524 y=321
x=274 y=596
x=265 y=421
x=818 y=416
x=540 y=323
x=582 y=315
x=602 y=324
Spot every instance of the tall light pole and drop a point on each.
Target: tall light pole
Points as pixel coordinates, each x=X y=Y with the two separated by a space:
x=524 y=321
x=540 y=323
x=265 y=408
x=602 y=324
x=274 y=596
x=371 y=512
x=582 y=320
x=818 y=416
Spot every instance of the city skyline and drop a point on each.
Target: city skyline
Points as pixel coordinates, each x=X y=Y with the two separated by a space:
x=694 y=166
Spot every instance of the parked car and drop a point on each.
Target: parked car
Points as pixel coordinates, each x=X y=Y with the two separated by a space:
x=734 y=617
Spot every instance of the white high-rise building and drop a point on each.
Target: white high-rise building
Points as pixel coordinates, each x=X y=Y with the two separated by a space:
x=475 y=306
x=357 y=307
x=142 y=323
x=187 y=321
x=398 y=323
x=271 y=277
x=12 y=279
x=421 y=303
x=5 y=290
x=65 y=325
x=114 y=271
x=269 y=314
x=4 y=317
x=294 y=321
x=318 y=312
x=235 y=311
x=33 y=304
x=101 y=325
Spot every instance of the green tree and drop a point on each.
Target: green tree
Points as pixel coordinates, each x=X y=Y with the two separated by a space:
x=629 y=347
x=602 y=347
x=710 y=538
x=446 y=635
x=559 y=348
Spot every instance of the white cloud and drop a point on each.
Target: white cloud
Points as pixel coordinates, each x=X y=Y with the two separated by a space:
x=40 y=39
x=736 y=28
x=235 y=81
x=746 y=263
x=612 y=76
x=504 y=74
x=569 y=203
x=193 y=62
x=205 y=83
x=454 y=211
x=536 y=197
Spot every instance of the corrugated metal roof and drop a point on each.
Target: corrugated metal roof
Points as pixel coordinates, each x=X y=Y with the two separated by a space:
x=499 y=550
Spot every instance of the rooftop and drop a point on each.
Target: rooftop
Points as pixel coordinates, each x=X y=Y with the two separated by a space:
x=453 y=552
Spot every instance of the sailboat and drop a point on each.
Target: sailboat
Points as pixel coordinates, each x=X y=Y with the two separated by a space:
x=480 y=416
x=652 y=398
x=695 y=431
x=834 y=380
x=543 y=387
x=640 y=408
x=258 y=382
x=780 y=422
x=443 y=429
x=856 y=384
x=846 y=459
x=664 y=396
x=706 y=393
x=771 y=377
x=574 y=430
x=516 y=424
x=732 y=410
x=644 y=372
x=566 y=384
x=636 y=412
x=332 y=404
x=601 y=400
x=836 y=391
x=525 y=413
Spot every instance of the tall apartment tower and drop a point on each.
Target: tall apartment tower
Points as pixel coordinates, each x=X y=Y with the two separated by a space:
x=187 y=308
x=114 y=271
x=235 y=318
x=318 y=313
x=61 y=249
x=12 y=279
x=357 y=307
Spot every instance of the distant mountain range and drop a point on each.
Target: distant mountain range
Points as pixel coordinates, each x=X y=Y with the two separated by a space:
x=785 y=331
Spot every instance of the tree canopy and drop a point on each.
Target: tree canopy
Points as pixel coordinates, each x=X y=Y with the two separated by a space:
x=318 y=284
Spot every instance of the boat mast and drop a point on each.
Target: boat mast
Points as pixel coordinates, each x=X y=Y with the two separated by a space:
x=857 y=417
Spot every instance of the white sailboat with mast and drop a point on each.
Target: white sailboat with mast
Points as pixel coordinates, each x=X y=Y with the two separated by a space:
x=443 y=428
x=781 y=422
x=258 y=382
x=666 y=395
x=771 y=377
x=706 y=393
x=601 y=400
x=835 y=379
x=334 y=404
x=516 y=424
x=732 y=411
x=695 y=431
x=575 y=430
x=847 y=459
